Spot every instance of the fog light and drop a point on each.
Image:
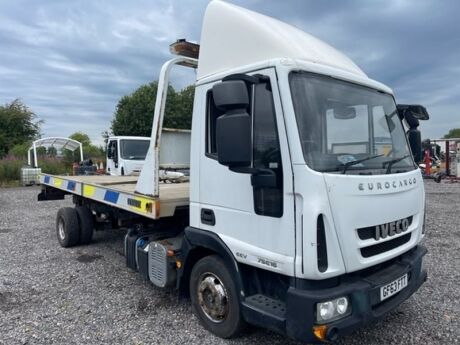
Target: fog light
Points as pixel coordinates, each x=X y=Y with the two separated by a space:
x=332 y=310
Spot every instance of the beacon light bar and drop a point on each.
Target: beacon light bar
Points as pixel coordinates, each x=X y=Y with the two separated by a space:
x=184 y=48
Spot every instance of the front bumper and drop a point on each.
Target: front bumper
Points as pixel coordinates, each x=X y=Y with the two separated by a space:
x=364 y=295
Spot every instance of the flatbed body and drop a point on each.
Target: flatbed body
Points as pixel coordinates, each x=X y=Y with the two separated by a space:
x=118 y=192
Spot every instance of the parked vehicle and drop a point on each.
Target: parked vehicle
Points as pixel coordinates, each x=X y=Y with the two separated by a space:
x=305 y=209
x=126 y=154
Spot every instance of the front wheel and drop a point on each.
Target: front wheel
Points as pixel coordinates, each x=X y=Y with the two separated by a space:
x=215 y=298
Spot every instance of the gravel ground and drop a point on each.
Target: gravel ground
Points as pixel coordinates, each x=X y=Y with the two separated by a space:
x=86 y=294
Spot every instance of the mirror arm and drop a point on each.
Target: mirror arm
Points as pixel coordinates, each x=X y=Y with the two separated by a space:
x=260 y=177
x=244 y=170
x=254 y=171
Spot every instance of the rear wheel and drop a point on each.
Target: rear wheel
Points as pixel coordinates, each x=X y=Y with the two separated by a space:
x=67 y=227
x=215 y=298
x=86 y=222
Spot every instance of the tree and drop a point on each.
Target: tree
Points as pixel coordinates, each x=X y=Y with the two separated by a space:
x=18 y=125
x=20 y=150
x=51 y=151
x=90 y=151
x=453 y=133
x=105 y=135
x=182 y=109
x=81 y=137
x=134 y=112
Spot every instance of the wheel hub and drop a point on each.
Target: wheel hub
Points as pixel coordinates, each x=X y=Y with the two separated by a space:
x=212 y=297
x=61 y=229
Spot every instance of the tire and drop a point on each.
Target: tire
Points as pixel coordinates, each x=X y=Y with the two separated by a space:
x=210 y=283
x=86 y=224
x=67 y=227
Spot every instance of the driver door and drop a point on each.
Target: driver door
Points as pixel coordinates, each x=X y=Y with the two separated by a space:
x=112 y=157
x=256 y=223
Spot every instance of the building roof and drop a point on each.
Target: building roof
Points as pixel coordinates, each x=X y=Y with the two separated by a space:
x=58 y=142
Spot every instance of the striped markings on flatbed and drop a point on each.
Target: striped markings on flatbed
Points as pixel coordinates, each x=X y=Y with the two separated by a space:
x=129 y=202
x=59 y=183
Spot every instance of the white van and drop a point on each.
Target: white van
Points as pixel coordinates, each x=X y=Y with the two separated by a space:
x=126 y=154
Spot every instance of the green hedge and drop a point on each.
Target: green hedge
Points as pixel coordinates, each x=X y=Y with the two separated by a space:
x=54 y=166
x=10 y=168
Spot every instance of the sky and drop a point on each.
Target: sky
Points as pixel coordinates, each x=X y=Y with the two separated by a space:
x=71 y=61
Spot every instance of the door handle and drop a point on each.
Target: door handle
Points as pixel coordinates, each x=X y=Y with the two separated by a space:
x=207 y=216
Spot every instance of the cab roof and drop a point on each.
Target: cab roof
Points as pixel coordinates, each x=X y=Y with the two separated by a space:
x=232 y=36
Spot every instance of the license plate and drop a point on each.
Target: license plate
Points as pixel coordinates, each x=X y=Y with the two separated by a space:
x=393 y=288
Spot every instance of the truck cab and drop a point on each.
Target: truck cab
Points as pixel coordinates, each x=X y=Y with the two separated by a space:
x=126 y=154
x=304 y=172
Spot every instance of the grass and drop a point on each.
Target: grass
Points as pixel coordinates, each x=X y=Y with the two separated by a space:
x=9 y=184
x=10 y=169
x=54 y=166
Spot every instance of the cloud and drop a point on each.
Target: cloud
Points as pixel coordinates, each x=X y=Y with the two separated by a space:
x=71 y=61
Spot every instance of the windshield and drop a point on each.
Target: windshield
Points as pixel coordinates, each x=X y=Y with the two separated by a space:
x=347 y=128
x=134 y=149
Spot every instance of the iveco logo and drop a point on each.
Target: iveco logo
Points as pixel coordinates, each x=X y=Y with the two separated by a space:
x=386 y=185
x=391 y=229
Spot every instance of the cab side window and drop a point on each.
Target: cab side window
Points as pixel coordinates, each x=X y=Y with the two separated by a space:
x=268 y=201
x=112 y=150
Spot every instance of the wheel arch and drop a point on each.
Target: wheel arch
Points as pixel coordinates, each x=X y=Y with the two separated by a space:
x=198 y=244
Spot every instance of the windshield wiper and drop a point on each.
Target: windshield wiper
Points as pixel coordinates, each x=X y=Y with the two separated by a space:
x=349 y=164
x=390 y=163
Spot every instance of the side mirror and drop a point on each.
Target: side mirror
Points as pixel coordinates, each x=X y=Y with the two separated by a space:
x=233 y=129
x=415 y=142
x=233 y=134
x=412 y=113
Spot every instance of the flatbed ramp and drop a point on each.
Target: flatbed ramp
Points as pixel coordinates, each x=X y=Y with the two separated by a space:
x=118 y=191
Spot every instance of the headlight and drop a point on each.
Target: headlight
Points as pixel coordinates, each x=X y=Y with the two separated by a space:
x=326 y=310
x=332 y=310
x=342 y=305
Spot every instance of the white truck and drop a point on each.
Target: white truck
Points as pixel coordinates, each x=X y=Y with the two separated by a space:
x=305 y=210
x=126 y=154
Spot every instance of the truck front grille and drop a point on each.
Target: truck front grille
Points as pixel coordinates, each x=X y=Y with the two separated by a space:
x=369 y=232
x=385 y=246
